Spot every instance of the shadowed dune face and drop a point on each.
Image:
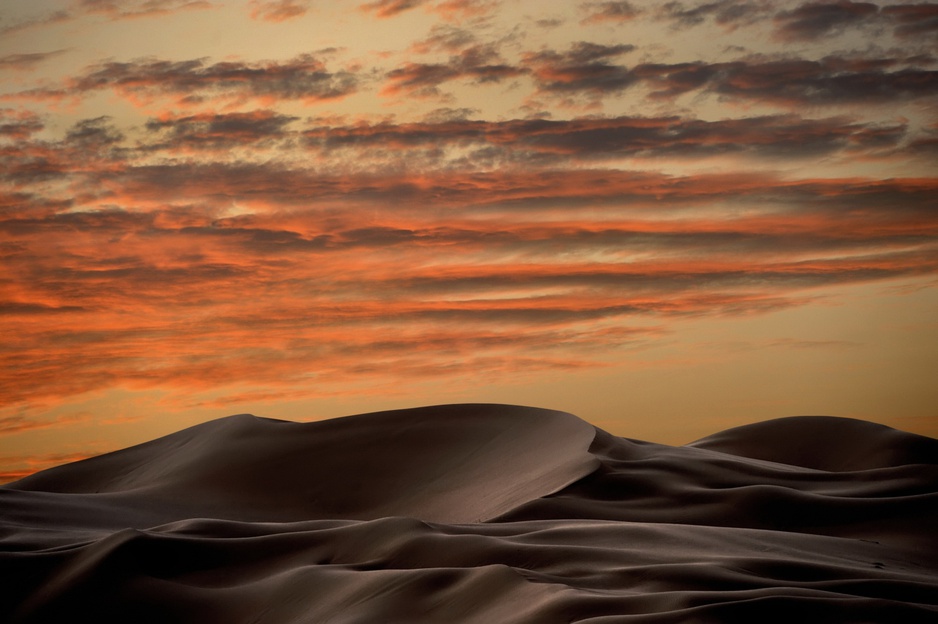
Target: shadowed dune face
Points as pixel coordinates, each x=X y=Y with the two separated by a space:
x=480 y=513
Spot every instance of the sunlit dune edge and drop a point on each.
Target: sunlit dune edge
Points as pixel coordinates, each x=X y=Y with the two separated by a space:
x=479 y=513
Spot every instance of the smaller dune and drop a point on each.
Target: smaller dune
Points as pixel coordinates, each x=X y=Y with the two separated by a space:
x=824 y=443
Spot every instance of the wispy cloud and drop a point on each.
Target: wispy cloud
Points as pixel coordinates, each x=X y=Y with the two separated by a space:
x=477 y=64
x=111 y=10
x=217 y=130
x=825 y=82
x=447 y=9
x=913 y=20
x=618 y=11
x=390 y=8
x=19 y=423
x=545 y=142
x=829 y=81
x=304 y=78
x=806 y=22
x=819 y=19
x=129 y=9
x=278 y=10
x=585 y=67
x=27 y=61
x=46 y=19
x=19 y=124
x=727 y=13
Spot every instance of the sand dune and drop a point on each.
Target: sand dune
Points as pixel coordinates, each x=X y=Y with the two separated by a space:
x=479 y=513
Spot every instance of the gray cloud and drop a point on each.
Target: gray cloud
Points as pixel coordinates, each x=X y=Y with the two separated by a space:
x=723 y=12
x=814 y=20
x=546 y=141
x=219 y=130
x=27 y=61
x=616 y=11
x=302 y=78
x=19 y=124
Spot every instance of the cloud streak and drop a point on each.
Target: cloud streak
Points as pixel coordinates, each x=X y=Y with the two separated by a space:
x=545 y=142
x=615 y=12
x=391 y=8
x=218 y=131
x=196 y=81
x=27 y=61
x=132 y=9
x=477 y=64
x=813 y=20
x=278 y=10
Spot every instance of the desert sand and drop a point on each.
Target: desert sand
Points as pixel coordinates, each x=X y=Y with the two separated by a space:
x=483 y=514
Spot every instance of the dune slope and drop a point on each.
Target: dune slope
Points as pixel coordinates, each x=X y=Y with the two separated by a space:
x=480 y=513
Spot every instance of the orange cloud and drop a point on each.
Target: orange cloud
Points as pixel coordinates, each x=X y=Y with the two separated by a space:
x=453 y=10
x=390 y=8
x=243 y=252
x=19 y=124
x=129 y=9
x=448 y=9
x=428 y=275
x=19 y=423
x=278 y=10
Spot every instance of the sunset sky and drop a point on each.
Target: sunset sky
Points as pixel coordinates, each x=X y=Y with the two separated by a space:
x=666 y=218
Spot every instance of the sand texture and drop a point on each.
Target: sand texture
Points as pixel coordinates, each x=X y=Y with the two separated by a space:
x=486 y=514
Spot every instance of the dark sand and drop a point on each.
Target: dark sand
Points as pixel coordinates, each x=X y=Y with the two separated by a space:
x=479 y=513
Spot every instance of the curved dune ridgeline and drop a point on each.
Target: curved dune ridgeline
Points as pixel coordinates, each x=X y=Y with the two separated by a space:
x=483 y=514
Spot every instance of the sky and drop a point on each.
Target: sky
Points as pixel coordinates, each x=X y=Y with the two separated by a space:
x=666 y=218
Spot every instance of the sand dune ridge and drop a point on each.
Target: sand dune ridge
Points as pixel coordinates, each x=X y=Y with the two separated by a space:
x=480 y=514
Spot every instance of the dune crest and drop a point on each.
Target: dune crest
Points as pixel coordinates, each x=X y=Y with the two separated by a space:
x=456 y=463
x=479 y=514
